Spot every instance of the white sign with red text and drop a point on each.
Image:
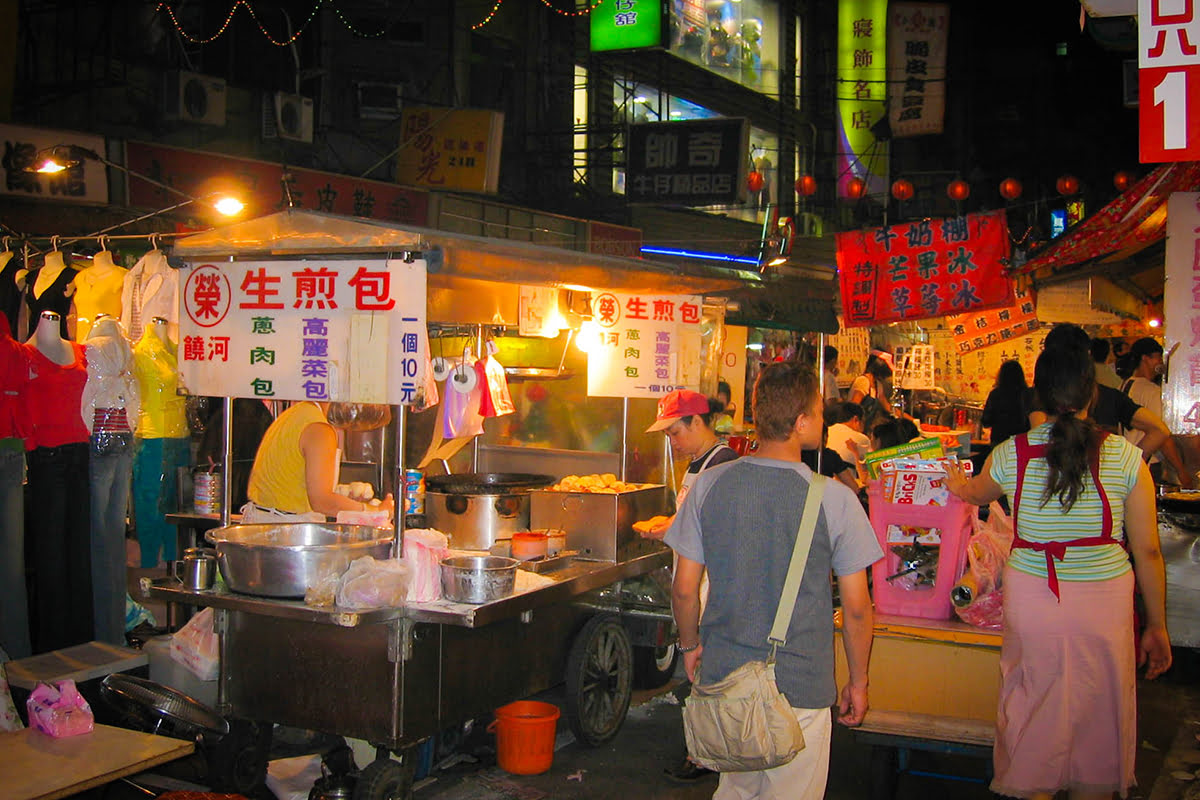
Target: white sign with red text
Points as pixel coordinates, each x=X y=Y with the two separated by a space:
x=643 y=345
x=1168 y=80
x=343 y=330
x=1181 y=308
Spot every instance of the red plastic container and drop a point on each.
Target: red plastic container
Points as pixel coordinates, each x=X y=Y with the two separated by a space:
x=525 y=736
x=926 y=601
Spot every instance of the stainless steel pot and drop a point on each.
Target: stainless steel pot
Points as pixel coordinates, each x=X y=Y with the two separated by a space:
x=477 y=579
x=476 y=509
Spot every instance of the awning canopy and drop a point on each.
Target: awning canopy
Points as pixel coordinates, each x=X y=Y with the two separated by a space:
x=1123 y=241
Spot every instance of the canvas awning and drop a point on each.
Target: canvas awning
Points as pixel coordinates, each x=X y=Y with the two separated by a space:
x=1123 y=241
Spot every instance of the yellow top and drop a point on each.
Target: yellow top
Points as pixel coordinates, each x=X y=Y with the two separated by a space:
x=97 y=291
x=277 y=477
x=164 y=412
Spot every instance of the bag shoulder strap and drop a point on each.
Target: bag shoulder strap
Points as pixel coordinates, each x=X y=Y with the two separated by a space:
x=795 y=573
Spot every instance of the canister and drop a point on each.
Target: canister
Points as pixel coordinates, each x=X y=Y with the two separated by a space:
x=414 y=491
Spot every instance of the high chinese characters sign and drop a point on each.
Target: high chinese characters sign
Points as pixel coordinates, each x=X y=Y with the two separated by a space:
x=922 y=269
x=1168 y=80
x=443 y=148
x=626 y=24
x=861 y=92
x=643 y=345
x=1181 y=308
x=996 y=325
x=345 y=330
x=690 y=163
x=918 y=34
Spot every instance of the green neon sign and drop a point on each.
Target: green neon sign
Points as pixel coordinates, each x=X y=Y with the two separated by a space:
x=626 y=25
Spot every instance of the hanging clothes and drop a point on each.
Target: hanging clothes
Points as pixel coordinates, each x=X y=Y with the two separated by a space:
x=150 y=289
x=14 y=377
x=11 y=291
x=97 y=291
x=56 y=297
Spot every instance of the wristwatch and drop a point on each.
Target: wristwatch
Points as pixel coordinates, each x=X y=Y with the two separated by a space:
x=687 y=649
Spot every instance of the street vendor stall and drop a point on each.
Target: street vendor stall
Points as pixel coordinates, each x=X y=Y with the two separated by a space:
x=307 y=306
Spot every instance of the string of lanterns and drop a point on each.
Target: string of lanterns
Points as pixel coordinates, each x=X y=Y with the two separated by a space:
x=959 y=190
x=317 y=6
x=581 y=12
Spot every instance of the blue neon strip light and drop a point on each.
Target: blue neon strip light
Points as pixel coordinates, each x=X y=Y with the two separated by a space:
x=662 y=251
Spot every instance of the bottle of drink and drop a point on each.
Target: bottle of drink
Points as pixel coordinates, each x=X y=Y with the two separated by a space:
x=964 y=592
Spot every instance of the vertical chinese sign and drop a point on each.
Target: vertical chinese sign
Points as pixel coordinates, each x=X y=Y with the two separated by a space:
x=1181 y=308
x=445 y=148
x=862 y=92
x=927 y=268
x=688 y=163
x=344 y=330
x=644 y=345
x=626 y=24
x=918 y=35
x=1168 y=80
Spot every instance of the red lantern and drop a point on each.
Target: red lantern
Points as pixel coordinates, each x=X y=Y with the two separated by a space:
x=1010 y=188
x=1122 y=180
x=754 y=181
x=806 y=185
x=855 y=188
x=958 y=190
x=1067 y=185
x=903 y=189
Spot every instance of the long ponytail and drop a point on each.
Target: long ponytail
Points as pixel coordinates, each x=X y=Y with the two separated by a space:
x=1066 y=383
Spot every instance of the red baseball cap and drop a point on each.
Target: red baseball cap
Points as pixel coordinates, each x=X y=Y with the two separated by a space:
x=677 y=404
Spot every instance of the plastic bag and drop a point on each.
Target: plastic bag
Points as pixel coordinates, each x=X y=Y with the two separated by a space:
x=424 y=549
x=59 y=710
x=987 y=552
x=373 y=584
x=195 y=646
x=9 y=721
x=460 y=408
x=496 y=401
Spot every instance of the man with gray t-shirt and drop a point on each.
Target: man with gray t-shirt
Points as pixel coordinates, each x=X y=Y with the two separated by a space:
x=740 y=522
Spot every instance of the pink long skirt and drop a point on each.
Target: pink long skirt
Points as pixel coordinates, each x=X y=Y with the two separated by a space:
x=1068 y=700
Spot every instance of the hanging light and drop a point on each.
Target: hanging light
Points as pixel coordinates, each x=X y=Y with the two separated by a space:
x=856 y=187
x=1122 y=180
x=1067 y=185
x=903 y=189
x=1010 y=188
x=958 y=190
x=754 y=181
x=806 y=185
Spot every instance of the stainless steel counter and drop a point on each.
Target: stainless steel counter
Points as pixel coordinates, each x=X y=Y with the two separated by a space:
x=1181 y=554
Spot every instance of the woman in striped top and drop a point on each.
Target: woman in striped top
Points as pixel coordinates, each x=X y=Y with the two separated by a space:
x=1067 y=712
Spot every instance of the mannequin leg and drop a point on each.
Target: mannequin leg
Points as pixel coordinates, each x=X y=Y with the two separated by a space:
x=14 y=605
x=110 y=478
x=155 y=494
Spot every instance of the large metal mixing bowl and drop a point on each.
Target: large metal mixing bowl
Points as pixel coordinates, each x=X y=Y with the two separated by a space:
x=286 y=559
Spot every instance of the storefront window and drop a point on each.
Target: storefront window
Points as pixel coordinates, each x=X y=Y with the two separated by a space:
x=737 y=39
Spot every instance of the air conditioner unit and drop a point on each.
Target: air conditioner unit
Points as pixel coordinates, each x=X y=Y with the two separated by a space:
x=288 y=116
x=191 y=97
x=380 y=100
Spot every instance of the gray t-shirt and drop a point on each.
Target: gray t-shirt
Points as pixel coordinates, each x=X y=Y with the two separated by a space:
x=740 y=521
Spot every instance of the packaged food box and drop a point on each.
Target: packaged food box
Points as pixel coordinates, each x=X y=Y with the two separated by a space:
x=921 y=448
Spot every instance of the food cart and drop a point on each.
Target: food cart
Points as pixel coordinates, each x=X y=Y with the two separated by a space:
x=397 y=676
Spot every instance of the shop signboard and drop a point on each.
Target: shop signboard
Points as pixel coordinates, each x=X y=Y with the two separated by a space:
x=267 y=187
x=917 y=38
x=862 y=93
x=345 y=330
x=1168 y=80
x=996 y=325
x=914 y=366
x=446 y=148
x=688 y=163
x=85 y=182
x=643 y=345
x=925 y=268
x=1181 y=310
x=626 y=25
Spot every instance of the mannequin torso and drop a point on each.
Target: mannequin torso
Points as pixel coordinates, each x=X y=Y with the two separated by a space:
x=49 y=343
x=57 y=375
x=97 y=291
x=48 y=274
x=12 y=282
x=51 y=290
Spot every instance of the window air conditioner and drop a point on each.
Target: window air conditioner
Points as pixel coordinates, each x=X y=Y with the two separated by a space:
x=191 y=97
x=380 y=100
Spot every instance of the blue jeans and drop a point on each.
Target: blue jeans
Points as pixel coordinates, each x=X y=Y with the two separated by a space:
x=111 y=470
x=14 y=604
x=155 y=494
x=58 y=539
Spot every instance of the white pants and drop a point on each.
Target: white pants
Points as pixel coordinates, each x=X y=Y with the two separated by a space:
x=252 y=513
x=802 y=778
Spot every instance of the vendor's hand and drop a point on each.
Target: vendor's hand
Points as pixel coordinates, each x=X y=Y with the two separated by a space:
x=691 y=662
x=853 y=705
x=852 y=446
x=1155 y=651
x=653 y=528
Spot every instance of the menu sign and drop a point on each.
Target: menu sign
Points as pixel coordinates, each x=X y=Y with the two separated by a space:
x=922 y=269
x=917 y=40
x=995 y=326
x=914 y=366
x=304 y=330
x=643 y=345
x=1181 y=308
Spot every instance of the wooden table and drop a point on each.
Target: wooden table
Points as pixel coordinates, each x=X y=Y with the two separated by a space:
x=35 y=766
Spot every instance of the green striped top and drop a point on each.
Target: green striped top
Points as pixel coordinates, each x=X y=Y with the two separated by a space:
x=1119 y=464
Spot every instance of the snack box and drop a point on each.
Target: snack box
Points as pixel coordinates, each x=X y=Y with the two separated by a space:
x=921 y=448
x=918 y=482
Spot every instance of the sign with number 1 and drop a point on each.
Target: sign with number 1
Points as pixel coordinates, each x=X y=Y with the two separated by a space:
x=1168 y=80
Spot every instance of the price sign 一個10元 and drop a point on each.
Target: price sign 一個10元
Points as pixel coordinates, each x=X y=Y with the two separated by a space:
x=1168 y=80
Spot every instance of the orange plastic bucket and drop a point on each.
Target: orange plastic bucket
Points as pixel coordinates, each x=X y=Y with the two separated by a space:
x=525 y=736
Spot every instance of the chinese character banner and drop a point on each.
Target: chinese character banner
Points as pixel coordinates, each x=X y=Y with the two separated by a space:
x=918 y=36
x=304 y=330
x=643 y=345
x=1181 y=310
x=450 y=148
x=691 y=162
x=994 y=326
x=862 y=93
x=922 y=269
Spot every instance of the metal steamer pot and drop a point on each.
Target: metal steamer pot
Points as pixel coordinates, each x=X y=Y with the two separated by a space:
x=475 y=509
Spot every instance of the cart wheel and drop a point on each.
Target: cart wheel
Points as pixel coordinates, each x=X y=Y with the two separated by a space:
x=599 y=680
x=238 y=762
x=385 y=779
x=654 y=666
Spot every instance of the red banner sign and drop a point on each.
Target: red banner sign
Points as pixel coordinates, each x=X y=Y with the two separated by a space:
x=926 y=268
x=995 y=326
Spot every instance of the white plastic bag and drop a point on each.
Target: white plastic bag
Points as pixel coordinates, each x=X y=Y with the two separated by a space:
x=373 y=584
x=195 y=646
x=424 y=549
